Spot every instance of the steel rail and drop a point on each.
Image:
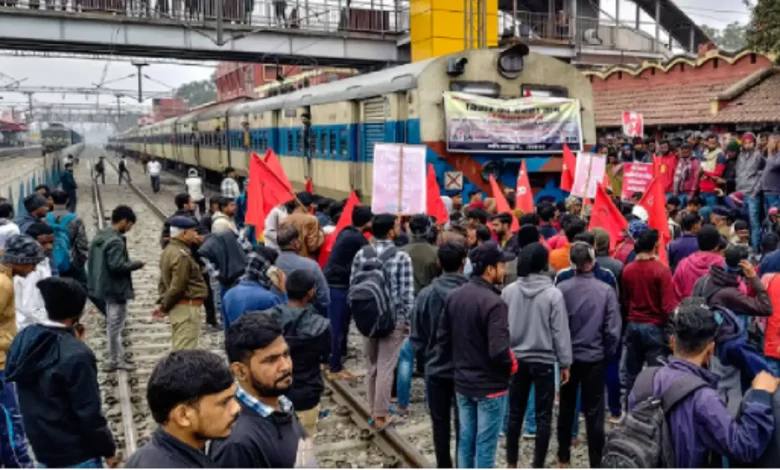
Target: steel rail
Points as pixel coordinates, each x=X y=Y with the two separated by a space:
x=123 y=378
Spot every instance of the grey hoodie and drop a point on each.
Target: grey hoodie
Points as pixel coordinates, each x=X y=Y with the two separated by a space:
x=750 y=164
x=538 y=322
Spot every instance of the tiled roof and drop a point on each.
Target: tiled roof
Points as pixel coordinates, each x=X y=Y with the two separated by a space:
x=668 y=104
x=759 y=103
x=667 y=65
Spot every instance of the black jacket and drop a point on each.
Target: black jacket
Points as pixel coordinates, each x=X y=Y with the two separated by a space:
x=224 y=251
x=259 y=442
x=425 y=321
x=339 y=265
x=165 y=451
x=308 y=335
x=475 y=327
x=59 y=399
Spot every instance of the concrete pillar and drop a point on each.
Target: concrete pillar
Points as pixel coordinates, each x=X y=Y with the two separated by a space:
x=638 y=11
x=440 y=27
x=657 y=25
x=573 y=24
x=692 y=41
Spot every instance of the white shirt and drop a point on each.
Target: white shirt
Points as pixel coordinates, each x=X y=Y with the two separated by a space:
x=194 y=188
x=154 y=168
x=30 y=308
x=272 y=222
x=7 y=230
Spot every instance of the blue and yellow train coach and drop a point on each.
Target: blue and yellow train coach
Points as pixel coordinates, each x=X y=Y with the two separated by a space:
x=329 y=131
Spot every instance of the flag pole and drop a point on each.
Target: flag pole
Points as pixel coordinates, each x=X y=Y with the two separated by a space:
x=400 y=182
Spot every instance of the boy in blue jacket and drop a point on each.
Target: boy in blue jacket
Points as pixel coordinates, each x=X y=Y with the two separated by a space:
x=701 y=425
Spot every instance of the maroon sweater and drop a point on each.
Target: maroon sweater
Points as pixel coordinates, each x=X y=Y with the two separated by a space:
x=648 y=292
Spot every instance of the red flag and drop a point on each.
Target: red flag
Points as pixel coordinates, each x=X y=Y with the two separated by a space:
x=567 y=172
x=435 y=206
x=276 y=186
x=309 y=188
x=345 y=220
x=605 y=215
x=501 y=204
x=524 y=200
x=268 y=187
x=654 y=201
x=255 y=211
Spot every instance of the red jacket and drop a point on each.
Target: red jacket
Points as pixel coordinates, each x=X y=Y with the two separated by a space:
x=772 y=333
x=647 y=293
x=706 y=185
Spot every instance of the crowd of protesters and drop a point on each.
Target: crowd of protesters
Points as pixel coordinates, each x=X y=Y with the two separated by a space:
x=505 y=324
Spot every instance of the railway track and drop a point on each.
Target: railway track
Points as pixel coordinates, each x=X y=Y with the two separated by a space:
x=344 y=438
x=146 y=341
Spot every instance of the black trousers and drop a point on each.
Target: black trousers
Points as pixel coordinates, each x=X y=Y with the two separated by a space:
x=591 y=376
x=542 y=376
x=442 y=408
x=211 y=313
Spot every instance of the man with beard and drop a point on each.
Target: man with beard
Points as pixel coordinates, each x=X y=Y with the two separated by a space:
x=502 y=227
x=267 y=433
x=189 y=412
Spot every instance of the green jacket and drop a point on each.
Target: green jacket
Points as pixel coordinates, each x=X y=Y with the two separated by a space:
x=109 y=267
x=425 y=263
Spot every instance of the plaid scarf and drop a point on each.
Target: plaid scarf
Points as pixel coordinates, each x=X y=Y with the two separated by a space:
x=258 y=262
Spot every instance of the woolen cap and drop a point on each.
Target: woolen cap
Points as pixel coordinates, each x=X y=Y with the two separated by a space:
x=22 y=249
x=35 y=201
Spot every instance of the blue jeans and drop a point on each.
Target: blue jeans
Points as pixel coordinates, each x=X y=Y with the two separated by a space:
x=643 y=343
x=480 y=425
x=13 y=449
x=338 y=314
x=404 y=374
x=753 y=205
x=710 y=199
x=92 y=463
x=613 y=384
x=770 y=201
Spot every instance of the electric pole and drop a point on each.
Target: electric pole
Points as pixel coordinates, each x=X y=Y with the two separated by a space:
x=139 y=65
x=30 y=107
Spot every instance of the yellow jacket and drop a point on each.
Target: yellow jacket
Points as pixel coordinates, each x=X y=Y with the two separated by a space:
x=7 y=313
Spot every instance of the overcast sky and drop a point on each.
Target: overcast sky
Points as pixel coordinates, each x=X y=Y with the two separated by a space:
x=83 y=73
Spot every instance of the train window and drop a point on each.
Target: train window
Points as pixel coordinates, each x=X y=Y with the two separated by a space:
x=324 y=142
x=290 y=145
x=490 y=89
x=333 y=148
x=343 y=141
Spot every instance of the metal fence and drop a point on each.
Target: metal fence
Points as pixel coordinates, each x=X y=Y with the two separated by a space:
x=370 y=16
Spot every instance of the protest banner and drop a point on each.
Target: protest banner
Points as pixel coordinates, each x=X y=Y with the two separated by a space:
x=636 y=179
x=523 y=125
x=399 y=179
x=633 y=124
x=588 y=173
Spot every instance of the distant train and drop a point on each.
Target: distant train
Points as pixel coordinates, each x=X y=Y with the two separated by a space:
x=57 y=137
x=344 y=119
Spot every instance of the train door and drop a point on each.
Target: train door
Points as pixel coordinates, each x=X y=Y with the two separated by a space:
x=370 y=131
x=195 y=138
x=309 y=142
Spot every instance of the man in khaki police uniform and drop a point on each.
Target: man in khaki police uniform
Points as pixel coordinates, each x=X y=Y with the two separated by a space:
x=182 y=288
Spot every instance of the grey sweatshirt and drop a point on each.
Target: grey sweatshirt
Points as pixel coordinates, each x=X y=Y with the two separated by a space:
x=538 y=323
x=594 y=317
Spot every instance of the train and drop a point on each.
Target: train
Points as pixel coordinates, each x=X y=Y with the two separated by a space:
x=56 y=137
x=344 y=119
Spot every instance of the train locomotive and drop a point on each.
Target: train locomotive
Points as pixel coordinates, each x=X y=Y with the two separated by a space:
x=56 y=137
x=328 y=131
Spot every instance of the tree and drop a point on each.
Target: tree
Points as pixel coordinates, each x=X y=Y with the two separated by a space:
x=198 y=92
x=731 y=38
x=763 y=35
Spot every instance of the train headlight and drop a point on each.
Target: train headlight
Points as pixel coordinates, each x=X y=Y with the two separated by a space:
x=511 y=61
x=456 y=66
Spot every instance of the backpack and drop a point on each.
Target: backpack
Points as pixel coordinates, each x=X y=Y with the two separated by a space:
x=643 y=439
x=61 y=255
x=369 y=296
